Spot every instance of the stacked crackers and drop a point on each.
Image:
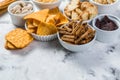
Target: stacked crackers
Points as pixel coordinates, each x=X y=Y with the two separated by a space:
x=4 y=4
x=17 y=39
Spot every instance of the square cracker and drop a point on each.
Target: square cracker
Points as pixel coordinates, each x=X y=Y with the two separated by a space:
x=8 y=45
x=19 y=38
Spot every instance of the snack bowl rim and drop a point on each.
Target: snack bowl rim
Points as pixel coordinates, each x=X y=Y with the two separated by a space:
x=49 y=3
x=42 y=38
x=17 y=2
x=105 y=5
x=79 y=47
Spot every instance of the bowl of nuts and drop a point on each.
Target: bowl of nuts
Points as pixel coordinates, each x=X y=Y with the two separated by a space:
x=106 y=6
x=76 y=36
x=18 y=10
x=82 y=11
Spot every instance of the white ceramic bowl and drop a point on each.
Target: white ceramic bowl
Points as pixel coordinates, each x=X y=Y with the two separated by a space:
x=106 y=8
x=76 y=48
x=51 y=5
x=107 y=36
x=42 y=38
x=17 y=19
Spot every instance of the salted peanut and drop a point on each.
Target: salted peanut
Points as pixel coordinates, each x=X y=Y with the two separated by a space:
x=69 y=36
x=67 y=39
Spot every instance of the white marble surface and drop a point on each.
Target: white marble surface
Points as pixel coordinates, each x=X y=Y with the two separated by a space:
x=50 y=61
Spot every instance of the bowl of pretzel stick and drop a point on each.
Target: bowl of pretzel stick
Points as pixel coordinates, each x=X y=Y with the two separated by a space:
x=76 y=36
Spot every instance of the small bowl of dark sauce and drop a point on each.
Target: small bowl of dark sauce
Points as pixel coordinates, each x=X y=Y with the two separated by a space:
x=107 y=27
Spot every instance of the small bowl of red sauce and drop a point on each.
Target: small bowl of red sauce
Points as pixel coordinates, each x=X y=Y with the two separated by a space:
x=107 y=28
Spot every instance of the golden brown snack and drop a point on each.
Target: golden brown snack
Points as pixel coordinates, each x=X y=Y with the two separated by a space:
x=80 y=33
x=46 y=29
x=52 y=17
x=2 y=11
x=8 y=45
x=5 y=3
x=80 y=10
x=39 y=15
x=105 y=1
x=19 y=38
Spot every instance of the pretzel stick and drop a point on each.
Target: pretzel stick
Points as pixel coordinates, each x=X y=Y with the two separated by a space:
x=64 y=32
x=67 y=39
x=84 y=35
x=68 y=29
x=69 y=36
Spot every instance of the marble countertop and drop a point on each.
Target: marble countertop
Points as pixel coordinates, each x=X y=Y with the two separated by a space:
x=50 y=61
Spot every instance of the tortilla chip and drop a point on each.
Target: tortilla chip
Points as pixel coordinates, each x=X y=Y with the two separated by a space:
x=54 y=11
x=19 y=38
x=36 y=23
x=61 y=19
x=50 y=19
x=30 y=23
x=46 y=29
x=8 y=45
x=32 y=30
x=39 y=15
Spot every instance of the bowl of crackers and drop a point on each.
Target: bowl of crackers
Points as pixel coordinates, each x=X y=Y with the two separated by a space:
x=82 y=11
x=106 y=6
x=42 y=25
x=43 y=4
x=76 y=36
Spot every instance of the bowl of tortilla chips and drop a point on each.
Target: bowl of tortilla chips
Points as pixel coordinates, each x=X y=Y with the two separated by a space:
x=43 y=24
x=44 y=4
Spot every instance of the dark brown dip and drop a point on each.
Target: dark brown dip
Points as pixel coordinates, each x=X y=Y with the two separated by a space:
x=106 y=24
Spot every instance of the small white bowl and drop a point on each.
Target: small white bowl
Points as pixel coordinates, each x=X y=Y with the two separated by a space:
x=106 y=8
x=104 y=35
x=43 y=5
x=42 y=38
x=76 y=48
x=17 y=19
